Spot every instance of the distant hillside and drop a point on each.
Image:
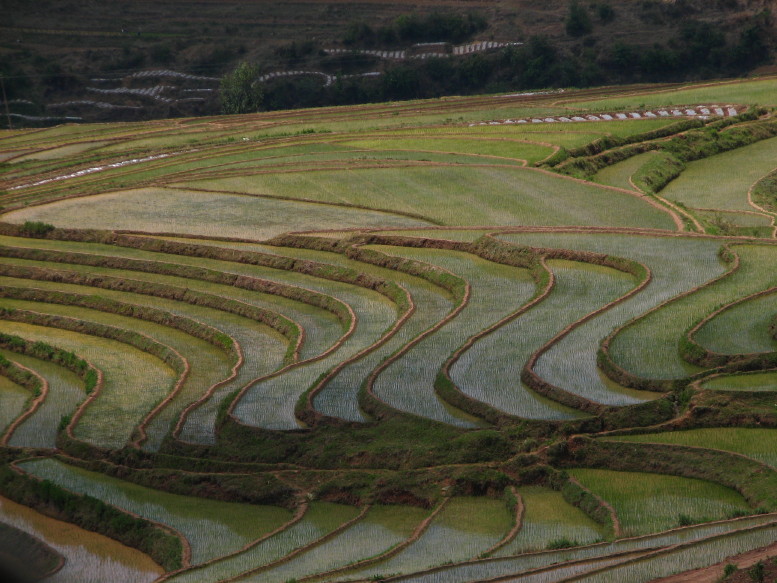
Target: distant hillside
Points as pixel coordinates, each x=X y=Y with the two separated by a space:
x=138 y=59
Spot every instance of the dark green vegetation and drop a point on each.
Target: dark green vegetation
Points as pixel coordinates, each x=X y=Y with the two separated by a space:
x=139 y=60
x=341 y=344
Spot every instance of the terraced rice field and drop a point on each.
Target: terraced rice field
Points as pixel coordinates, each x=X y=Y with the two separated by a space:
x=67 y=392
x=202 y=522
x=742 y=329
x=547 y=520
x=112 y=418
x=622 y=173
x=319 y=521
x=696 y=187
x=521 y=196
x=14 y=401
x=462 y=530
x=359 y=343
x=760 y=382
x=496 y=292
x=662 y=360
x=755 y=443
x=381 y=529
x=200 y=213
x=88 y=556
x=647 y=503
x=207 y=364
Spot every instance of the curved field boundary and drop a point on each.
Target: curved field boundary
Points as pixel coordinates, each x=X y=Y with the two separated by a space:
x=619 y=374
x=697 y=448
x=187 y=325
x=303 y=549
x=91 y=376
x=665 y=551
x=184 y=324
x=296 y=293
x=554 y=565
x=305 y=410
x=760 y=129
x=415 y=535
x=457 y=287
x=754 y=480
x=184 y=415
x=165 y=353
x=628 y=266
x=185 y=546
x=762 y=210
x=298 y=364
x=82 y=154
x=299 y=514
x=517 y=524
x=312 y=268
x=46 y=182
x=615 y=522
x=140 y=432
x=252 y=488
x=531 y=378
x=284 y=325
x=767 y=367
x=689 y=349
x=638 y=193
x=30 y=380
x=376 y=406
x=733 y=212
x=677 y=209
x=491 y=251
x=352 y=248
x=345 y=313
x=320 y=166
x=212 y=169
x=41 y=547
x=549 y=569
x=447 y=389
x=697 y=354
x=684 y=212
x=158 y=182
x=300 y=199
x=97 y=185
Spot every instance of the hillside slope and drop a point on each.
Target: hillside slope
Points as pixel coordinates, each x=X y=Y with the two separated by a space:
x=88 y=61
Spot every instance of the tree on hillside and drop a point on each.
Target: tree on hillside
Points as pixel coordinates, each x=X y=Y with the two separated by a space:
x=240 y=91
x=578 y=21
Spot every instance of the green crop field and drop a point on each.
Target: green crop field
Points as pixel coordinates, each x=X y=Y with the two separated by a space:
x=700 y=187
x=66 y=390
x=14 y=401
x=88 y=556
x=201 y=522
x=761 y=382
x=756 y=443
x=548 y=519
x=622 y=173
x=647 y=503
x=440 y=341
